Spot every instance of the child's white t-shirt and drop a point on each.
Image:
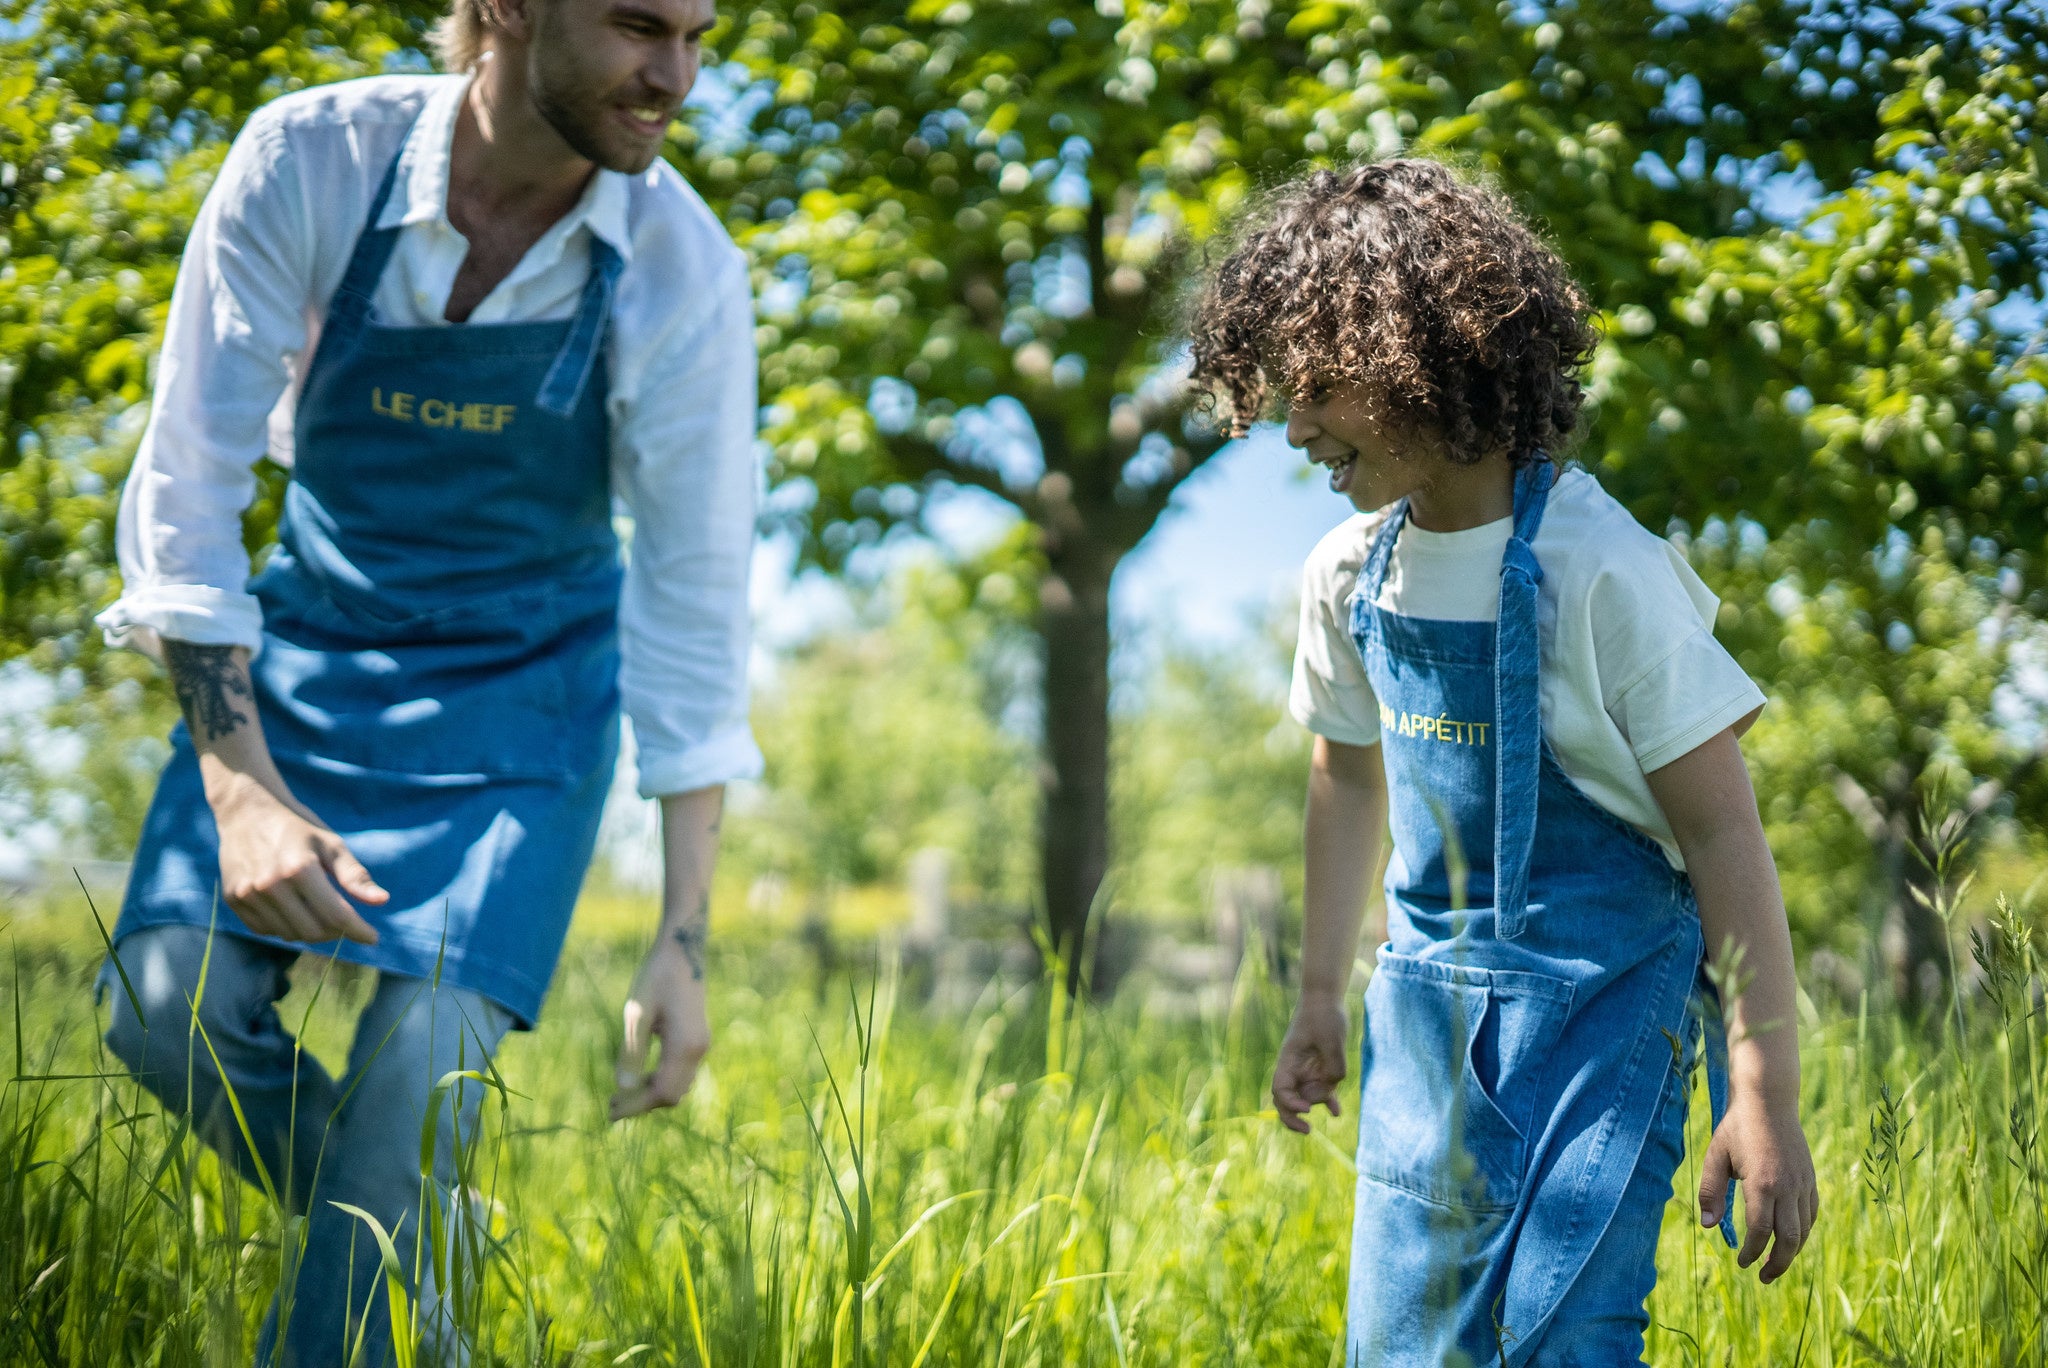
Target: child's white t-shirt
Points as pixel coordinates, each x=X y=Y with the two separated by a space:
x=1631 y=676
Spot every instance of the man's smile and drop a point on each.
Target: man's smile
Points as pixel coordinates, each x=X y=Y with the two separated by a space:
x=648 y=120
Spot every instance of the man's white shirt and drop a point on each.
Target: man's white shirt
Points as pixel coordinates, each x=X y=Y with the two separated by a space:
x=265 y=256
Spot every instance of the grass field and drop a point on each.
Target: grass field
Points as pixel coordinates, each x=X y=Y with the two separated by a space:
x=858 y=1181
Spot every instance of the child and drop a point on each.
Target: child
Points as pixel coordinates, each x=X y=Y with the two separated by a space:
x=1508 y=671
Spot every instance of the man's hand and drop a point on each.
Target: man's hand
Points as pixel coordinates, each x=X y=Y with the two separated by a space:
x=279 y=867
x=279 y=864
x=666 y=1004
x=1765 y=1148
x=1311 y=1061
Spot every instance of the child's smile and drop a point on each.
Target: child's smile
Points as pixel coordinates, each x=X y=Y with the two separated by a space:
x=1342 y=462
x=1375 y=458
x=1372 y=460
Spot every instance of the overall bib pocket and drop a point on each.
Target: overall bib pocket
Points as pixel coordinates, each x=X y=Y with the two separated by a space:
x=1453 y=1065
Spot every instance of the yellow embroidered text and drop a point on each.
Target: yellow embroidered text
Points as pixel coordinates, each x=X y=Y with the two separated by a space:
x=1442 y=728
x=442 y=413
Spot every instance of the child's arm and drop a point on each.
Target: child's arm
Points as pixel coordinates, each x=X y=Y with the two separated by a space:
x=1707 y=798
x=1347 y=819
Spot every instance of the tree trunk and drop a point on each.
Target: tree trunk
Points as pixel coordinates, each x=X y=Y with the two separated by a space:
x=1920 y=970
x=1911 y=944
x=1074 y=619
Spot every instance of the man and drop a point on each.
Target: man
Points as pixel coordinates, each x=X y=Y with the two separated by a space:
x=470 y=311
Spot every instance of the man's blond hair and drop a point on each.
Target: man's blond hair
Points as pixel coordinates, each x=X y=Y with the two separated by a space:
x=458 y=39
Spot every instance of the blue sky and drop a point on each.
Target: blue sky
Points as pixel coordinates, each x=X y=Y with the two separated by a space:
x=1231 y=545
x=1227 y=552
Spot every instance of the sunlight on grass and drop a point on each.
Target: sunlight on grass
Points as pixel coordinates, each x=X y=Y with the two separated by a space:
x=858 y=1180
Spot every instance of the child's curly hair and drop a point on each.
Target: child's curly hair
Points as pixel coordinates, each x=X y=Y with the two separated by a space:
x=1406 y=276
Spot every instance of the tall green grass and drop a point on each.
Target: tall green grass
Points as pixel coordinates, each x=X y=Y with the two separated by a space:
x=860 y=1181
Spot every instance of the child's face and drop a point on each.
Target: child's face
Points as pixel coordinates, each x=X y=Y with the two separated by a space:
x=1373 y=457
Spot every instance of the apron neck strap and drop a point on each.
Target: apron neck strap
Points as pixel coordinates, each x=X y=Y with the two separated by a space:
x=562 y=389
x=351 y=306
x=1533 y=483
x=1517 y=702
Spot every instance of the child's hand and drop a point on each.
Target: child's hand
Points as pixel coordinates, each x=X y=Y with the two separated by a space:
x=1764 y=1147
x=1311 y=1060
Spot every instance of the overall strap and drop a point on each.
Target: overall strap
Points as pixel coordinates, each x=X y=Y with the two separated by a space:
x=1518 y=721
x=562 y=389
x=1372 y=577
x=350 y=308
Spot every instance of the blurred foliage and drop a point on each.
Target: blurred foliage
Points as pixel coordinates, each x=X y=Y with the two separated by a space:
x=1209 y=773
x=113 y=117
x=1847 y=365
x=1879 y=363
x=903 y=733
x=78 y=761
x=1894 y=686
x=919 y=187
x=947 y=203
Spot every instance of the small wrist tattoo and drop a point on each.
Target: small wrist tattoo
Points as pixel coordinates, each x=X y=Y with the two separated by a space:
x=208 y=681
x=694 y=933
x=692 y=936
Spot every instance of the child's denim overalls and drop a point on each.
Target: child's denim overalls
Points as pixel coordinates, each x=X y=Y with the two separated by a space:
x=1523 y=1092
x=439 y=673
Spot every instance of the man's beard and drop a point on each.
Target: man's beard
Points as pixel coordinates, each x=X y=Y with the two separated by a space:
x=556 y=100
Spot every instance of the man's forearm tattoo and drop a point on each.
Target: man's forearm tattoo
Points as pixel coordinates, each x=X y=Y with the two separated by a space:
x=693 y=935
x=208 y=681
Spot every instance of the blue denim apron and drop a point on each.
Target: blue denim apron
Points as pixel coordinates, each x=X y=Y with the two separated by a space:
x=1530 y=1024
x=439 y=673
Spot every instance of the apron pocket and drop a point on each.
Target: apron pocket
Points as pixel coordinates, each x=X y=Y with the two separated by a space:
x=1453 y=1065
x=488 y=694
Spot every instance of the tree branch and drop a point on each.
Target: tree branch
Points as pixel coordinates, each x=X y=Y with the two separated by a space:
x=1136 y=522
x=1870 y=819
x=926 y=460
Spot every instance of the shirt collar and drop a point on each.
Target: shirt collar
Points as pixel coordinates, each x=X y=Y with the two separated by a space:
x=421 y=195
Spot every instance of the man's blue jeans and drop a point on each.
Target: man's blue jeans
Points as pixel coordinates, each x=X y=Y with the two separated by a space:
x=321 y=1140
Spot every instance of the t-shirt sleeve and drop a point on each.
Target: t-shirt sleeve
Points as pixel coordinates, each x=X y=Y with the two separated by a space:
x=1666 y=682
x=1330 y=693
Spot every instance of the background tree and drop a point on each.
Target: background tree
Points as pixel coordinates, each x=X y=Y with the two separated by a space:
x=966 y=222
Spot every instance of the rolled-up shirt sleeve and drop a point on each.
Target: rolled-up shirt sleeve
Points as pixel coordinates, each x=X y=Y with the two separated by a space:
x=238 y=318
x=687 y=473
